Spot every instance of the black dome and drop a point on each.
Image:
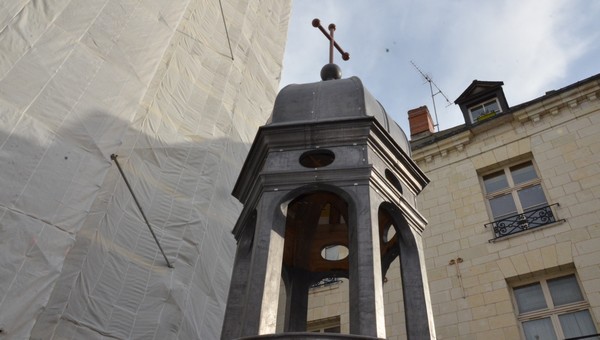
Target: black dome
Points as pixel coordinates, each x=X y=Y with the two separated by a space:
x=329 y=101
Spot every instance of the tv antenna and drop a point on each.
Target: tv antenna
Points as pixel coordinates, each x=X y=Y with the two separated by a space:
x=431 y=86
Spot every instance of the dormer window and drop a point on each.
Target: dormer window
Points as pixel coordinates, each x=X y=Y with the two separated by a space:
x=484 y=111
x=482 y=100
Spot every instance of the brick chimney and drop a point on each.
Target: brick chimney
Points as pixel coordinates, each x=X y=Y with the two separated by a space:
x=420 y=122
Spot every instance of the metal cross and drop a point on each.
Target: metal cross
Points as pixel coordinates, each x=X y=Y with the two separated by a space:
x=332 y=42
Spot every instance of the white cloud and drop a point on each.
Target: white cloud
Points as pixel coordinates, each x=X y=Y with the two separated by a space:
x=533 y=46
x=524 y=44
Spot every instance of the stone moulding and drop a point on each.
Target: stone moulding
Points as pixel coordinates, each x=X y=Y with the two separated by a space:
x=554 y=104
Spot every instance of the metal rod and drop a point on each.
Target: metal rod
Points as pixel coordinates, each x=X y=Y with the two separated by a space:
x=434 y=108
x=226 y=32
x=331 y=41
x=114 y=158
x=457 y=262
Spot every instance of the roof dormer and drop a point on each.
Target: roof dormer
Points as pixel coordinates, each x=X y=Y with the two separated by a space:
x=482 y=100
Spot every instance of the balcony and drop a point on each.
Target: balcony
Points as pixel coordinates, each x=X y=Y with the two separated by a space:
x=326 y=282
x=592 y=336
x=530 y=219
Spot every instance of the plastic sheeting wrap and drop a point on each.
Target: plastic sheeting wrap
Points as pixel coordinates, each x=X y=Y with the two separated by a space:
x=154 y=82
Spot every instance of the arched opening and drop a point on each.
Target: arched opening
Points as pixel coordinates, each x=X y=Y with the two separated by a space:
x=315 y=261
x=401 y=250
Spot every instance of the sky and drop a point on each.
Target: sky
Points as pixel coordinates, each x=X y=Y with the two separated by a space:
x=533 y=46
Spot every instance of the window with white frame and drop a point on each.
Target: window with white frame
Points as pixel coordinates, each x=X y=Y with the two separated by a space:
x=485 y=110
x=326 y=325
x=554 y=308
x=516 y=199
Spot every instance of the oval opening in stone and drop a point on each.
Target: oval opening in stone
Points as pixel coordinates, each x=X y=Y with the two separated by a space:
x=317 y=158
x=334 y=252
x=393 y=180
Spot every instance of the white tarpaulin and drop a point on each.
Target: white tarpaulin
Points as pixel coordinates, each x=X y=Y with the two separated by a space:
x=153 y=81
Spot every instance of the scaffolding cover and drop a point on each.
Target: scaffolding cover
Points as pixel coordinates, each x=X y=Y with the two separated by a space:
x=154 y=81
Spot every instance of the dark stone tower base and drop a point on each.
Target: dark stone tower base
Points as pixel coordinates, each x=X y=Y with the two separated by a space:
x=329 y=170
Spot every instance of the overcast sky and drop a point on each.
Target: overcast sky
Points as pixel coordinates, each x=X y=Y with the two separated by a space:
x=533 y=46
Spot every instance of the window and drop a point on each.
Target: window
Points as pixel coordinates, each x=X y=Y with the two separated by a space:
x=553 y=308
x=484 y=111
x=516 y=199
x=327 y=325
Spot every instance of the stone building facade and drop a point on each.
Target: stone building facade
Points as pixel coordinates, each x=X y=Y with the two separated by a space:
x=512 y=244
x=514 y=209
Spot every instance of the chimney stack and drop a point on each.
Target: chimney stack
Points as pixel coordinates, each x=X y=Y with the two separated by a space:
x=420 y=122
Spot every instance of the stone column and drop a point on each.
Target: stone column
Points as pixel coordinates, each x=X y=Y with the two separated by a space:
x=236 y=300
x=262 y=293
x=411 y=271
x=366 y=285
x=297 y=286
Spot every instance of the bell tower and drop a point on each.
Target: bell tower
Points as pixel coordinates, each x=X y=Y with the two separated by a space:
x=329 y=169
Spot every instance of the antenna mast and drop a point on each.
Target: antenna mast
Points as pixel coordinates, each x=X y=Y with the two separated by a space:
x=431 y=85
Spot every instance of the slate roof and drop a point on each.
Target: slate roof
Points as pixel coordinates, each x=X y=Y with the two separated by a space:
x=331 y=100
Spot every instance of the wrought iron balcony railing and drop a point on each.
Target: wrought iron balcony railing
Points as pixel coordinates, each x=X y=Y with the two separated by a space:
x=520 y=222
x=326 y=282
x=591 y=336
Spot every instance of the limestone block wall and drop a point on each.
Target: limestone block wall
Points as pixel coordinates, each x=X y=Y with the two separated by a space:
x=156 y=83
x=332 y=301
x=329 y=301
x=472 y=298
